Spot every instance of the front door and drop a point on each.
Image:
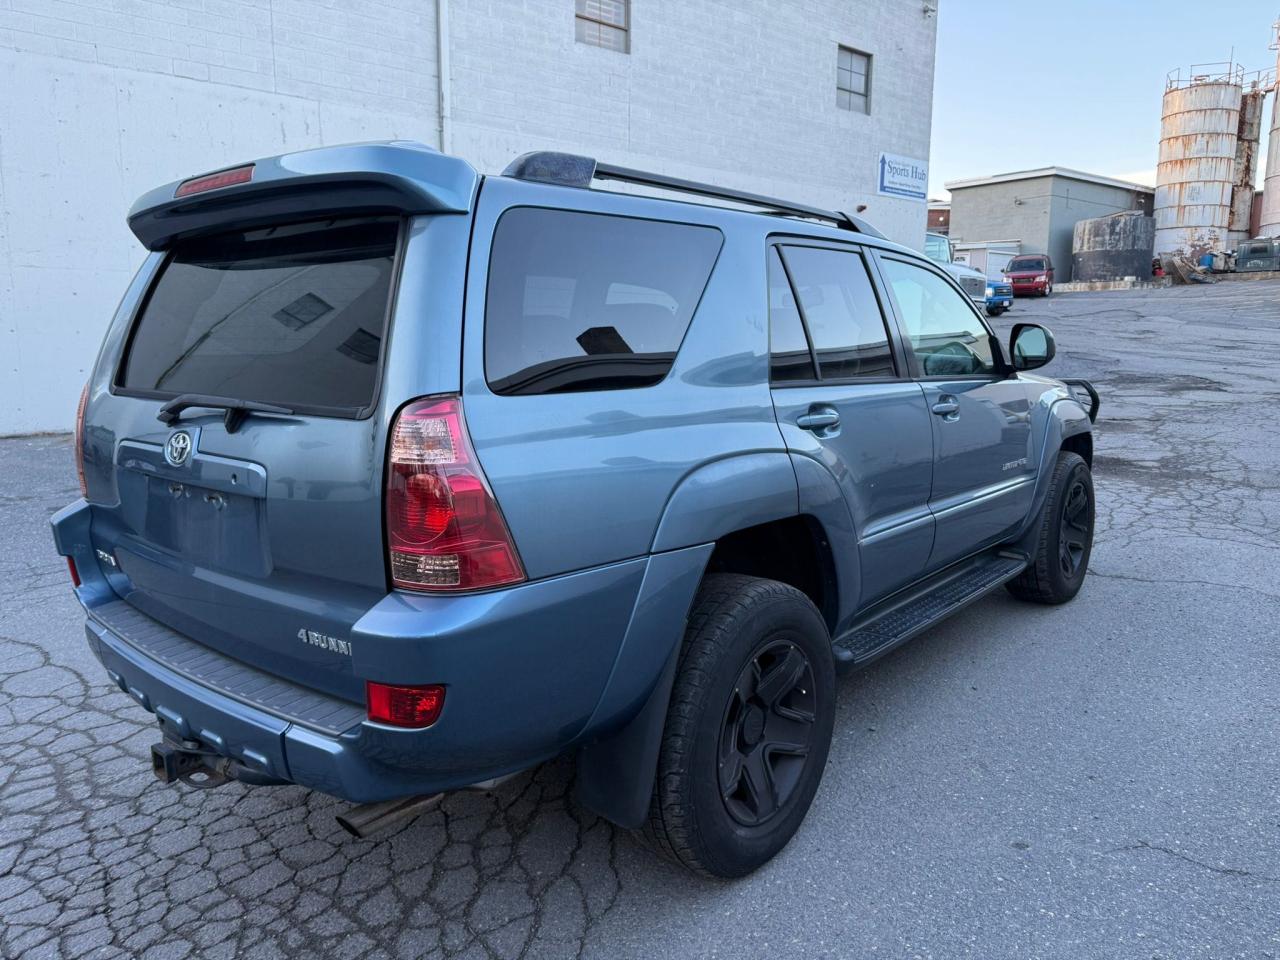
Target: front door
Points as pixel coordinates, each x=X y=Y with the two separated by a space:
x=842 y=396
x=984 y=467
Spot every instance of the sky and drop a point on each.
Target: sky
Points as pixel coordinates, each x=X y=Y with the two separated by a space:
x=1022 y=84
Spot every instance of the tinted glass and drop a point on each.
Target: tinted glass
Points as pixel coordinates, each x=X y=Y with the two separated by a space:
x=942 y=329
x=288 y=315
x=789 y=357
x=1034 y=263
x=583 y=301
x=841 y=312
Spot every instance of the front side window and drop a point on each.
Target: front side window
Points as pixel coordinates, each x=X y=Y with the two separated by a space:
x=942 y=330
x=291 y=315
x=839 y=309
x=585 y=301
x=853 y=80
x=603 y=23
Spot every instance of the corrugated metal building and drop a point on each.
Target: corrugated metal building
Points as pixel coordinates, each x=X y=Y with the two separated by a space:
x=1039 y=209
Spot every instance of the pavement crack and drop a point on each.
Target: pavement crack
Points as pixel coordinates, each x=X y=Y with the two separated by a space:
x=1179 y=855
x=1158 y=581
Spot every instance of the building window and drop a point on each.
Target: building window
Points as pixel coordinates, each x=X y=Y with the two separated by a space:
x=853 y=80
x=604 y=23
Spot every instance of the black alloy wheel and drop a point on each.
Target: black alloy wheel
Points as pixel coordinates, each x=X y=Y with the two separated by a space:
x=1063 y=536
x=748 y=726
x=767 y=732
x=1075 y=530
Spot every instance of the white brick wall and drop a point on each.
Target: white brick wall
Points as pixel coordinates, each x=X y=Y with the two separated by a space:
x=106 y=98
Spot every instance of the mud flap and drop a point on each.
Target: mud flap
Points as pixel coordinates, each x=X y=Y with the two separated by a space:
x=615 y=775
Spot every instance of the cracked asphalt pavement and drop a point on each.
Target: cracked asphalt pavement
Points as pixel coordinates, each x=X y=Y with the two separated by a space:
x=1094 y=780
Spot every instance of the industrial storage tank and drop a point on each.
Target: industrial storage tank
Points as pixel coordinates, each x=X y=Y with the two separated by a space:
x=1248 y=133
x=1270 y=221
x=1196 y=172
x=1113 y=247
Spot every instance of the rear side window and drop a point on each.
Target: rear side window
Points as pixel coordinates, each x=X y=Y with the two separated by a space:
x=291 y=315
x=841 y=313
x=789 y=357
x=584 y=301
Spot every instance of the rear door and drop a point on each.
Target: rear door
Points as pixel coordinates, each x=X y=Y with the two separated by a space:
x=984 y=467
x=843 y=397
x=261 y=538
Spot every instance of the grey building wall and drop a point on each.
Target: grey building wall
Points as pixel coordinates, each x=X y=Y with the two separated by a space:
x=1041 y=212
x=103 y=99
x=1013 y=210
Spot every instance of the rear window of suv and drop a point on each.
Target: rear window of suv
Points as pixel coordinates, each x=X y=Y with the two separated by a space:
x=585 y=301
x=293 y=315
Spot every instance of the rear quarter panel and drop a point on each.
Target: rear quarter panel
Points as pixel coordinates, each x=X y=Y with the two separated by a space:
x=583 y=478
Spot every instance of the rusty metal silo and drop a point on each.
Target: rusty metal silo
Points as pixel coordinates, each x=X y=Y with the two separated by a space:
x=1248 y=134
x=1271 y=186
x=1199 y=129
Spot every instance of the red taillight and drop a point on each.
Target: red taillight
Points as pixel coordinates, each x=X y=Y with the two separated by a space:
x=84 y=398
x=212 y=181
x=444 y=529
x=404 y=706
x=75 y=574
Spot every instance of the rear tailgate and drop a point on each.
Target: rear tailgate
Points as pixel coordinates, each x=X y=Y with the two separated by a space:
x=258 y=535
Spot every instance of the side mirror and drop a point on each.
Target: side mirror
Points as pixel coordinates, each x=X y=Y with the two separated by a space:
x=1031 y=346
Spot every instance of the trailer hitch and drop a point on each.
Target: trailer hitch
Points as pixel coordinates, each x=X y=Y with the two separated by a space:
x=197 y=766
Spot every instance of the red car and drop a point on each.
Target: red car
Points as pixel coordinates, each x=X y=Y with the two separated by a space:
x=1030 y=275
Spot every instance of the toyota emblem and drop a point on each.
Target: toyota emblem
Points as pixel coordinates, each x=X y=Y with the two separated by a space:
x=178 y=448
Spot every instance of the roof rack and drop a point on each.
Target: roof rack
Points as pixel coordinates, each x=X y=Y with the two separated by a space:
x=574 y=170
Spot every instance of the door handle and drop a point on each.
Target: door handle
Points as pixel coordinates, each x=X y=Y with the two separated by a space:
x=948 y=408
x=818 y=418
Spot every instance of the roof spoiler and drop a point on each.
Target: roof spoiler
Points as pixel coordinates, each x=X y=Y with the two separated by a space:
x=364 y=179
x=573 y=170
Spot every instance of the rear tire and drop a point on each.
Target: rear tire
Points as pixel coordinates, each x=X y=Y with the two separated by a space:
x=748 y=727
x=1064 y=540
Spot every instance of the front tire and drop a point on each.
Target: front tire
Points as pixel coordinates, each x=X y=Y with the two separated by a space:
x=1064 y=540
x=748 y=727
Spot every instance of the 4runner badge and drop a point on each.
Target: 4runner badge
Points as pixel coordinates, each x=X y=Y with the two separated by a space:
x=323 y=640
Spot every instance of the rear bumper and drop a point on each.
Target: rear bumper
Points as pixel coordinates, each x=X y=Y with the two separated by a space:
x=529 y=671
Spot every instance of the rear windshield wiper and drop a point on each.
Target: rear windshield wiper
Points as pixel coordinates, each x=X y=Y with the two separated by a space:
x=237 y=410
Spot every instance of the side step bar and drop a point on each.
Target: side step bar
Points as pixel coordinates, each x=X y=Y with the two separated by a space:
x=901 y=618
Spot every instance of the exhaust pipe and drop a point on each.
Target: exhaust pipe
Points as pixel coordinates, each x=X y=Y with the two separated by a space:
x=369 y=818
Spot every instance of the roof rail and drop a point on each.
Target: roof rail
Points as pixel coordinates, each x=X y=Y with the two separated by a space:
x=574 y=170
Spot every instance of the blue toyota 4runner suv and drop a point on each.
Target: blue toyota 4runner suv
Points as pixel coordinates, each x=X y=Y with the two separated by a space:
x=401 y=480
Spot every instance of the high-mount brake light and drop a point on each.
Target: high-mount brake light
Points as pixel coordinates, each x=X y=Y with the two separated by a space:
x=214 y=181
x=444 y=529
x=84 y=399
